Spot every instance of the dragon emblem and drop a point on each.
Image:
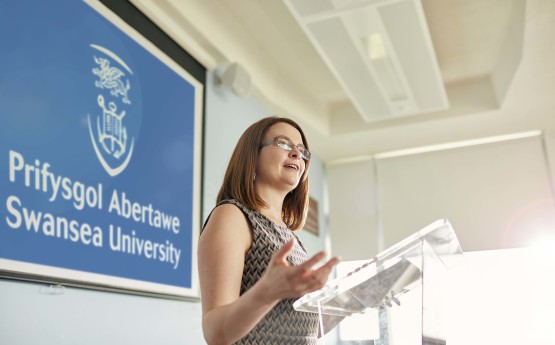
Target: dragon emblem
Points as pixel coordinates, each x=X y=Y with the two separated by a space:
x=110 y=78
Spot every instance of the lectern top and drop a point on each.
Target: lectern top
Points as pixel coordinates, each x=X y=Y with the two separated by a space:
x=395 y=271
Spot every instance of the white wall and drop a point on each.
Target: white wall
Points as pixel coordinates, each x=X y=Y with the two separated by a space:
x=354 y=212
x=32 y=313
x=496 y=195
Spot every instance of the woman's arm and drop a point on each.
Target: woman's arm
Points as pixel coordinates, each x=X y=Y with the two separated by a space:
x=221 y=253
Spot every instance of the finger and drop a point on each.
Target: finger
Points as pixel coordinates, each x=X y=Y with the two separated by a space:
x=281 y=254
x=307 y=265
x=333 y=261
x=328 y=266
x=324 y=271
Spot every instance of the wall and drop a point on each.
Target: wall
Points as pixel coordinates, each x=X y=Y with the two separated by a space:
x=353 y=210
x=36 y=314
x=496 y=195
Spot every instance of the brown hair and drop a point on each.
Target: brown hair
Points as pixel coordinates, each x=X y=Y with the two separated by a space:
x=238 y=181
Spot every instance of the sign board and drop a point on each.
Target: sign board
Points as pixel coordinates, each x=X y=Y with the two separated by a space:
x=100 y=152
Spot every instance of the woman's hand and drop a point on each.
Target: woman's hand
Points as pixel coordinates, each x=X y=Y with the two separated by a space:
x=283 y=280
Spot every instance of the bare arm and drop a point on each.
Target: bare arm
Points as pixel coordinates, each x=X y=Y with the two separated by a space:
x=227 y=317
x=221 y=253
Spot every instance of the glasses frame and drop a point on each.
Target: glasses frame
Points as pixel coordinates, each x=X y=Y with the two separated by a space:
x=288 y=146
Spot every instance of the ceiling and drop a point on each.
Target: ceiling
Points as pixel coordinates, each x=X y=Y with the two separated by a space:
x=495 y=59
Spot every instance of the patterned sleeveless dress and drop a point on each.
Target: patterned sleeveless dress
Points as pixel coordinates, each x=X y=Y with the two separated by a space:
x=283 y=325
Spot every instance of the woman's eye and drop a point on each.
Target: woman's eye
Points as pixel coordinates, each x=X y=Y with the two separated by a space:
x=284 y=145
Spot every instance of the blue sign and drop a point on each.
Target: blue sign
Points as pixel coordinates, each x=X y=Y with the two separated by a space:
x=99 y=152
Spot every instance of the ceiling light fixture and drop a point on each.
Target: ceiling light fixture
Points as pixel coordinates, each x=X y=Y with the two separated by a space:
x=386 y=73
x=380 y=51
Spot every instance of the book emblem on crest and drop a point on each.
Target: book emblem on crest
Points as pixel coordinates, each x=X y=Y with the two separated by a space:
x=110 y=139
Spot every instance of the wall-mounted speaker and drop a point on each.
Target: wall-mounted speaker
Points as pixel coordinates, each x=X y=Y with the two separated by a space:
x=236 y=78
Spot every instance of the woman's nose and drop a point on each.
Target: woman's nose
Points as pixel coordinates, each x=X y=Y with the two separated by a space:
x=295 y=153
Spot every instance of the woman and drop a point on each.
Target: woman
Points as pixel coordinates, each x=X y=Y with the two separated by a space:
x=251 y=265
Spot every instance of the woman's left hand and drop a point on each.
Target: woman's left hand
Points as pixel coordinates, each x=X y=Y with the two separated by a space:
x=283 y=280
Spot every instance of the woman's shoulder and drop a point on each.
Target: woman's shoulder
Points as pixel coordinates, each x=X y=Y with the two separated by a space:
x=232 y=202
x=226 y=227
x=229 y=208
x=247 y=211
x=228 y=212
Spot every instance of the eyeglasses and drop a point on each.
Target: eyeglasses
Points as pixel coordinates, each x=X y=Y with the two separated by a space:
x=287 y=145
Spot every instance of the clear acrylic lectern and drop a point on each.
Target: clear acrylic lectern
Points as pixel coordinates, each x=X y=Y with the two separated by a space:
x=398 y=291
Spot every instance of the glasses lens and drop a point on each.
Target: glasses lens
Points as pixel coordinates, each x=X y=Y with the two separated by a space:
x=287 y=145
x=284 y=144
x=305 y=154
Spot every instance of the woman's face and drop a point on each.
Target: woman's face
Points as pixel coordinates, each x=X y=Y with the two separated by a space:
x=277 y=167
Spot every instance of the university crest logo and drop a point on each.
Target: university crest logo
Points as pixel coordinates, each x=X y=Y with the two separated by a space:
x=112 y=143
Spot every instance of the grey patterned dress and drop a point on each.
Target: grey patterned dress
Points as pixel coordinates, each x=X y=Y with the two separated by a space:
x=282 y=325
